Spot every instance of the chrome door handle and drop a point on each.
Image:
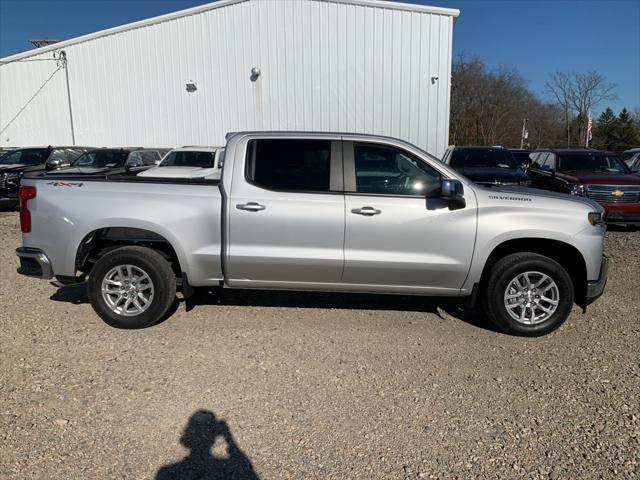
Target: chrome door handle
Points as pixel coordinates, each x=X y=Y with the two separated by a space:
x=250 y=207
x=366 y=211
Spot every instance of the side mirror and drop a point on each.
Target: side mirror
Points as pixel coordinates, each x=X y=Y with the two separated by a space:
x=53 y=163
x=453 y=191
x=132 y=163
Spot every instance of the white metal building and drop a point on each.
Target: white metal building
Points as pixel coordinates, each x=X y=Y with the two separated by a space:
x=365 y=66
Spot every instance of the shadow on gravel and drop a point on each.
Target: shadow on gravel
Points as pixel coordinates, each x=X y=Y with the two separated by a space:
x=199 y=437
x=623 y=228
x=77 y=294
x=344 y=301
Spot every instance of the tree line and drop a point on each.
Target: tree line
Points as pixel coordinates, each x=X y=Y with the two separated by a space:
x=491 y=106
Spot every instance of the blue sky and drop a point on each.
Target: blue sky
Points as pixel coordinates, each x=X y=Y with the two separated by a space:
x=537 y=37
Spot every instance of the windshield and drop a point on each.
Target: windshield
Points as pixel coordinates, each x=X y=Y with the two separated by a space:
x=102 y=159
x=25 y=156
x=189 y=159
x=483 y=157
x=522 y=157
x=592 y=163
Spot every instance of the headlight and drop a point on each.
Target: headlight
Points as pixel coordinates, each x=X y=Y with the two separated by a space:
x=596 y=218
x=576 y=189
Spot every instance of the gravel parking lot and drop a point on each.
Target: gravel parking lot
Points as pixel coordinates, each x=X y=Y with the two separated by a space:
x=296 y=385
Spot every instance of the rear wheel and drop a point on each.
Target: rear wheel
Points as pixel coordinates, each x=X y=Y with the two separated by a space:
x=131 y=287
x=528 y=294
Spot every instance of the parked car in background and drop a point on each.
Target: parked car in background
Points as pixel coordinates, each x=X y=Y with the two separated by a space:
x=487 y=165
x=189 y=162
x=4 y=150
x=522 y=156
x=15 y=163
x=598 y=175
x=632 y=159
x=103 y=159
x=315 y=211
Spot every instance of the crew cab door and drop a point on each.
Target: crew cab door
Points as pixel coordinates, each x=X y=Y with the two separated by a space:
x=286 y=213
x=396 y=238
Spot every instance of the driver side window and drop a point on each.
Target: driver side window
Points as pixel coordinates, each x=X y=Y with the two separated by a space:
x=382 y=169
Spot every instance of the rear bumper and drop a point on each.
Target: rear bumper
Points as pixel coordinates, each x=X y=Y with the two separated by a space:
x=34 y=263
x=596 y=288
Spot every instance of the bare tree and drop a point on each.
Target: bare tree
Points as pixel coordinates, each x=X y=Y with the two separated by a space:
x=579 y=93
x=559 y=88
x=488 y=106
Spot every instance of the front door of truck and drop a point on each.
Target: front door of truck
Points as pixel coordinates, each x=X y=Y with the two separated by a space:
x=286 y=217
x=395 y=235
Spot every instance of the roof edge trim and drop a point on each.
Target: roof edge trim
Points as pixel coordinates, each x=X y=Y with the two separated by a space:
x=385 y=4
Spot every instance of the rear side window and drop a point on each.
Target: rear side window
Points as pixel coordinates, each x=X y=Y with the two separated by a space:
x=290 y=165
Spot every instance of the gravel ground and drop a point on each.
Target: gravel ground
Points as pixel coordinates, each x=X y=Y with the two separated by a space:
x=275 y=385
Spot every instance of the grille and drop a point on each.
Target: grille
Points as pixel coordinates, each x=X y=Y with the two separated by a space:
x=3 y=180
x=604 y=193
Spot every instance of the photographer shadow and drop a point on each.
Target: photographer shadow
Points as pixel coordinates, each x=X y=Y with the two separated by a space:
x=199 y=437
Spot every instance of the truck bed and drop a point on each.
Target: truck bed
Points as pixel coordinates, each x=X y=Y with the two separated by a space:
x=68 y=208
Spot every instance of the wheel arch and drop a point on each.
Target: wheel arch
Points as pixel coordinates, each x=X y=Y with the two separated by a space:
x=102 y=240
x=568 y=256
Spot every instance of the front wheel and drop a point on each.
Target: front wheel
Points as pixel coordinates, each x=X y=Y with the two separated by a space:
x=131 y=287
x=528 y=294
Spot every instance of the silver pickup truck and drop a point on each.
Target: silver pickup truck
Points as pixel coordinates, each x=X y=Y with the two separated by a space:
x=315 y=211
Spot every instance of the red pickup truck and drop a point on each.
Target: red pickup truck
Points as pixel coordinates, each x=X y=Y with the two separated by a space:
x=600 y=176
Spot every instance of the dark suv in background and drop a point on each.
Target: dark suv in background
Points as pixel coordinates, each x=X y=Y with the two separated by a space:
x=598 y=175
x=487 y=165
x=15 y=163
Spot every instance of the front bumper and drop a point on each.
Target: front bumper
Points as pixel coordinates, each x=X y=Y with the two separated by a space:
x=622 y=213
x=596 y=288
x=34 y=263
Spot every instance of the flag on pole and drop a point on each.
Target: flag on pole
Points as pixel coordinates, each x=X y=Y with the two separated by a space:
x=589 y=128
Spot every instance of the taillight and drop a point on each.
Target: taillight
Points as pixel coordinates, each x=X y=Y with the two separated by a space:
x=25 y=194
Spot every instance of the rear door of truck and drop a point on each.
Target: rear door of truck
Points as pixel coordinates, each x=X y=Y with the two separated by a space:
x=286 y=212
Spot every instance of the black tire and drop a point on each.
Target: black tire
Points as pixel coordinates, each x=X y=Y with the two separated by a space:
x=508 y=268
x=154 y=265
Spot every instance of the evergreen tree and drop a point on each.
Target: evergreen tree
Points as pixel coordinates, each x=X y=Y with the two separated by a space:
x=604 y=134
x=626 y=132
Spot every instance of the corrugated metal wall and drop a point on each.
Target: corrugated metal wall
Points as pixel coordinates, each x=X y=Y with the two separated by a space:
x=325 y=66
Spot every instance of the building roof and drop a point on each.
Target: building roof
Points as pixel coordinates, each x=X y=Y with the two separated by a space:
x=384 y=4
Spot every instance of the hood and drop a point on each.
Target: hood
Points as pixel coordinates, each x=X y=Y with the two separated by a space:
x=21 y=167
x=181 y=172
x=549 y=194
x=493 y=174
x=600 y=178
x=12 y=167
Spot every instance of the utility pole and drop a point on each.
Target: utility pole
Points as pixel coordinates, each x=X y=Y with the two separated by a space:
x=524 y=134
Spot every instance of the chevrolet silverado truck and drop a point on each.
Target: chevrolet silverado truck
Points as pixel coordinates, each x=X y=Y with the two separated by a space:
x=315 y=211
x=600 y=176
